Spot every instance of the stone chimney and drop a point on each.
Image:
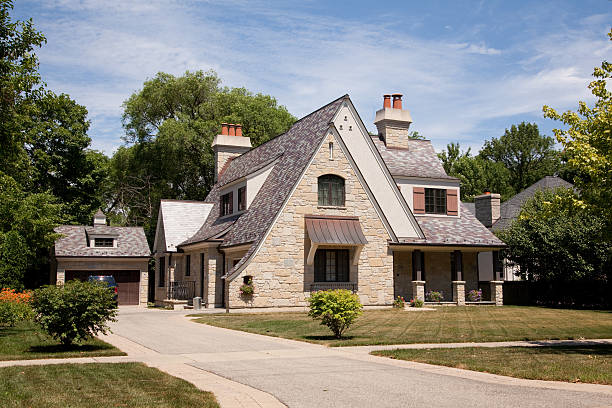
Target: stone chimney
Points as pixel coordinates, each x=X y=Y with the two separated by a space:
x=393 y=122
x=99 y=218
x=229 y=144
x=487 y=208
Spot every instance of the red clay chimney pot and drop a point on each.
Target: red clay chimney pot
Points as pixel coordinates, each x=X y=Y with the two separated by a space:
x=397 y=101
x=232 y=129
x=238 y=130
x=224 y=130
x=386 y=101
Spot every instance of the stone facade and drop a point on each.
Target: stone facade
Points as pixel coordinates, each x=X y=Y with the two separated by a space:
x=459 y=292
x=107 y=264
x=281 y=276
x=396 y=136
x=497 y=293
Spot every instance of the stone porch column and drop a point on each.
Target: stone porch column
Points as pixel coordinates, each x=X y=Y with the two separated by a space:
x=418 y=290
x=459 y=292
x=211 y=273
x=497 y=292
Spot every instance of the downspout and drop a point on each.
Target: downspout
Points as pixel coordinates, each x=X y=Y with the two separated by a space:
x=225 y=286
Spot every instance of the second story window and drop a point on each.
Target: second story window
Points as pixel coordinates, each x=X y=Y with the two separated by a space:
x=227 y=202
x=242 y=198
x=331 y=190
x=103 y=242
x=435 y=201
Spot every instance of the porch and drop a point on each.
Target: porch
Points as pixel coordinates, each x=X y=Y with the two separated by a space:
x=443 y=276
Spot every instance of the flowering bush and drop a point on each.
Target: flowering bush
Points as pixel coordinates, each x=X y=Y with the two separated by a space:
x=247 y=288
x=434 y=296
x=416 y=302
x=399 y=302
x=14 y=307
x=475 y=295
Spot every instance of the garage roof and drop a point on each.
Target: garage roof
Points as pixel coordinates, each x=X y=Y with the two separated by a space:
x=131 y=241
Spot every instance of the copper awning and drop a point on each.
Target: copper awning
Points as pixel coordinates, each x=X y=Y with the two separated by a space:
x=334 y=230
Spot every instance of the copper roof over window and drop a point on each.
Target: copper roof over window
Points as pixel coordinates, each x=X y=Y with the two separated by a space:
x=325 y=229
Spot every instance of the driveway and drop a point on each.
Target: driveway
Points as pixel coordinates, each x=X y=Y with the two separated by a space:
x=306 y=375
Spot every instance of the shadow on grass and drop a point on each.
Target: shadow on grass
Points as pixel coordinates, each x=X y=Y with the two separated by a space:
x=596 y=349
x=62 y=348
x=328 y=338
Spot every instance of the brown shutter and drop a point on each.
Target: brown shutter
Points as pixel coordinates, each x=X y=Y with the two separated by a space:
x=451 y=202
x=418 y=200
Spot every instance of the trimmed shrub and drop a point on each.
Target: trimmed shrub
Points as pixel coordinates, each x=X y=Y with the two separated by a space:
x=76 y=311
x=337 y=309
x=14 y=307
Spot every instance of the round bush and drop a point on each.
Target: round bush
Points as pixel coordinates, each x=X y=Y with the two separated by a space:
x=76 y=311
x=337 y=309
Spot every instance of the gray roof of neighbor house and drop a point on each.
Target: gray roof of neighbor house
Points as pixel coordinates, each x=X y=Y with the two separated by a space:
x=418 y=160
x=131 y=241
x=179 y=221
x=291 y=153
x=465 y=230
x=510 y=209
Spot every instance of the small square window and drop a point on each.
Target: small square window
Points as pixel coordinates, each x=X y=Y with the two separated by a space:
x=435 y=201
x=227 y=204
x=104 y=242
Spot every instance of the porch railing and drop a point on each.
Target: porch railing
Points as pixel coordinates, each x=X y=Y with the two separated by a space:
x=333 y=286
x=181 y=290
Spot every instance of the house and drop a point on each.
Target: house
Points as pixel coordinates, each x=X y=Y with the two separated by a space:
x=496 y=217
x=326 y=205
x=122 y=252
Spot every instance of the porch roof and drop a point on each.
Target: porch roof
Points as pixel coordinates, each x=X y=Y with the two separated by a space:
x=335 y=230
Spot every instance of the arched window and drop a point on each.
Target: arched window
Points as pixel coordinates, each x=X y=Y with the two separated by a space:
x=331 y=190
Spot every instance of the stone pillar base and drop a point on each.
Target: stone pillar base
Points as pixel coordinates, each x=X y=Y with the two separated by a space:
x=497 y=292
x=459 y=292
x=418 y=290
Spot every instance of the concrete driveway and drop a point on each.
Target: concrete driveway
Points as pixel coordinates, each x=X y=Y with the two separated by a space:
x=305 y=375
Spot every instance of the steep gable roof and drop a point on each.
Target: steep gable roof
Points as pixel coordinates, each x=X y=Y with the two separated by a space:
x=131 y=241
x=510 y=209
x=177 y=221
x=292 y=152
x=418 y=160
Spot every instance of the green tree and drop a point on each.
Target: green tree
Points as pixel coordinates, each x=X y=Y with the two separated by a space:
x=170 y=125
x=20 y=86
x=61 y=161
x=26 y=233
x=525 y=152
x=451 y=155
x=587 y=142
x=552 y=241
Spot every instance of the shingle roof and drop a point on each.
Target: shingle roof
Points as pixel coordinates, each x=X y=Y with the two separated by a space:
x=510 y=209
x=418 y=160
x=463 y=230
x=131 y=241
x=292 y=151
x=180 y=220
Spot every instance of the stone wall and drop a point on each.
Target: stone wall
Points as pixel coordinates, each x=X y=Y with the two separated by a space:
x=280 y=274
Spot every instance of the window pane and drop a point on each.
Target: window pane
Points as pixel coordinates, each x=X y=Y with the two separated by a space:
x=435 y=201
x=330 y=266
x=331 y=190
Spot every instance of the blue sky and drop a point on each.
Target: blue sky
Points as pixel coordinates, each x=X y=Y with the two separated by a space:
x=468 y=70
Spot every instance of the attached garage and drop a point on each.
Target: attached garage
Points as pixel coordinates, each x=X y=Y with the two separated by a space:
x=122 y=252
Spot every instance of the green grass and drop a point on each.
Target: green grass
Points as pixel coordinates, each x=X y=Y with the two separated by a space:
x=98 y=385
x=588 y=364
x=445 y=325
x=26 y=341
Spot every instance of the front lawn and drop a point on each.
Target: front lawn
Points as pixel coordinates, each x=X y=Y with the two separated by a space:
x=445 y=325
x=98 y=385
x=26 y=342
x=588 y=364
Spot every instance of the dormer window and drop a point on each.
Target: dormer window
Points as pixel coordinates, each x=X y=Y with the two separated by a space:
x=435 y=201
x=331 y=190
x=242 y=201
x=227 y=202
x=104 y=242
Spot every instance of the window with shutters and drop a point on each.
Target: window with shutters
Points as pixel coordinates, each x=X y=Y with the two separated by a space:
x=332 y=265
x=242 y=198
x=435 y=201
x=227 y=204
x=331 y=190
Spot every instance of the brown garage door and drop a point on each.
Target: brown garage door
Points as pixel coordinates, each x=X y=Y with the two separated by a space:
x=128 y=283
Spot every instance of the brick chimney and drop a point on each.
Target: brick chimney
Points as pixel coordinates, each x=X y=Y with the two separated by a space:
x=229 y=144
x=393 y=122
x=487 y=208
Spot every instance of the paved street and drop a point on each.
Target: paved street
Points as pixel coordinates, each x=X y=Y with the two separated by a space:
x=306 y=375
